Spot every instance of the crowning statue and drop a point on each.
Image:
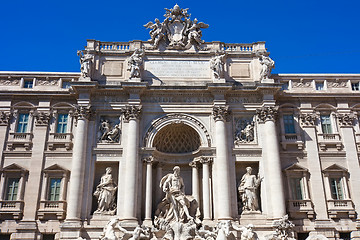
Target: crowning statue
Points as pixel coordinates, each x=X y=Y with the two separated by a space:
x=105 y=193
x=247 y=190
x=267 y=65
x=135 y=63
x=177 y=31
x=217 y=64
x=176 y=213
x=85 y=62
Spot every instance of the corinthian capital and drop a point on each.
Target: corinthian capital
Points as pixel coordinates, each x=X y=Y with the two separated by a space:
x=5 y=118
x=221 y=113
x=149 y=160
x=132 y=112
x=266 y=113
x=82 y=112
x=345 y=119
x=308 y=119
x=205 y=160
x=42 y=118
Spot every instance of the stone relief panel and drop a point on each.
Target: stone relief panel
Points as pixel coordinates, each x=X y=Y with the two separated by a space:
x=244 y=130
x=109 y=129
x=239 y=70
x=112 y=68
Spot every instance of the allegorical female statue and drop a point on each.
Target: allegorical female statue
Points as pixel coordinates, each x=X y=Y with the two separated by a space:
x=105 y=193
x=247 y=190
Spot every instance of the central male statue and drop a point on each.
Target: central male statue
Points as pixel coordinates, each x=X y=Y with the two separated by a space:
x=173 y=186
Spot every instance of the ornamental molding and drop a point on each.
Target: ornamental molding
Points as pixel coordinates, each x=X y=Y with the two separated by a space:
x=9 y=82
x=47 y=82
x=177 y=31
x=221 y=113
x=5 y=117
x=308 y=119
x=302 y=83
x=205 y=159
x=42 y=118
x=345 y=119
x=266 y=114
x=337 y=84
x=131 y=112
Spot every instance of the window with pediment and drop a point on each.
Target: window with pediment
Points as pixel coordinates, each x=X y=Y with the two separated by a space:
x=13 y=178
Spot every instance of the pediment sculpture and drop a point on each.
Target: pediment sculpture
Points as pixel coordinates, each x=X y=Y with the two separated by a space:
x=177 y=31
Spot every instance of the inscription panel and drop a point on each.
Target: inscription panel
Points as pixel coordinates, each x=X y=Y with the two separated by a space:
x=177 y=69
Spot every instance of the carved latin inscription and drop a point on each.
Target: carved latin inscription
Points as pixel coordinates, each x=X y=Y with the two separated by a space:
x=175 y=68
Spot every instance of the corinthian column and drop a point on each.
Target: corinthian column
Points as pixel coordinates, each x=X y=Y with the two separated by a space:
x=223 y=194
x=272 y=162
x=131 y=115
x=195 y=179
x=206 y=187
x=148 y=192
x=81 y=115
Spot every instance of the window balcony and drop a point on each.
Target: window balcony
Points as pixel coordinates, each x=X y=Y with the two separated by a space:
x=338 y=207
x=298 y=207
x=329 y=140
x=60 y=140
x=52 y=210
x=22 y=140
x=291 y=139
x=11 y=209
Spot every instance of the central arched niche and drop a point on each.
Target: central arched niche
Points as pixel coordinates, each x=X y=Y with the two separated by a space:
x=177 y=138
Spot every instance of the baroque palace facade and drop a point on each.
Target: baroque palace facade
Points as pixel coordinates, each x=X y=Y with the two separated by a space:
x=177 y=138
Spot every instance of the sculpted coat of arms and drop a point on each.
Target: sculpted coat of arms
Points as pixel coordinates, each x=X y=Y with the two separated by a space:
x=177 y=31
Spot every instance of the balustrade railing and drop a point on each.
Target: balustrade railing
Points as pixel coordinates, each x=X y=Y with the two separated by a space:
x=114 y=46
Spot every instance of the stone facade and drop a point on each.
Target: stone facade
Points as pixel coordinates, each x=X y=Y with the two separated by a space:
x=83 y=154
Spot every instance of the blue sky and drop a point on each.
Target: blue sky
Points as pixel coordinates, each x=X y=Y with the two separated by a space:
x=302 y=36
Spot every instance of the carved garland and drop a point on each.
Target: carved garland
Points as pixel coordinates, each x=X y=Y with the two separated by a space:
x=42 y=118
x=179 y=116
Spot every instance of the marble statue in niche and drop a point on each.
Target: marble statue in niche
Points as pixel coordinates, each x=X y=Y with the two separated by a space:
x=217 y=65
x=177 y=214
x=244 y=130
x=247 y=189
x=109 y=134
x=105 y=194
x=135 y=62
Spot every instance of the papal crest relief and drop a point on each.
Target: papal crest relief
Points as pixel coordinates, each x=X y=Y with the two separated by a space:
x=177 y=31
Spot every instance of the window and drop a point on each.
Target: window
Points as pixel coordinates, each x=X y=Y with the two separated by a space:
x=302 y=236
x=22 y=123
x=285 y=86
x=28 y=84
x=355 y=86
x=55 y=187
x=4 y=236
x=48 y=236
x=297 y=188
x=12 y=189
x=65 y=84
x=345 y=235
x=62 y=120
x=319 y=86
x=289 y=125
x=336 y=188
x=325 y=124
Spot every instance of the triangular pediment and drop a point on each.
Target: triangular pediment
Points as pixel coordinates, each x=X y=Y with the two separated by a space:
x=56 y=168
x=296 y=168
x=14 y=168
x=335 y=168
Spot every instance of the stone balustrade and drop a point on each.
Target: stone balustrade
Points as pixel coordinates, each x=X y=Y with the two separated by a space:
x=13 y=209
x=23 y=140
x=60 y=140
x=49 y=209
x=336 y=207
x=301 y=206
x=326 y=140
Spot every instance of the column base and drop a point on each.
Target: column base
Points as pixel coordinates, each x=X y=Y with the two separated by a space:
x=148 y=222
x=129 y=222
